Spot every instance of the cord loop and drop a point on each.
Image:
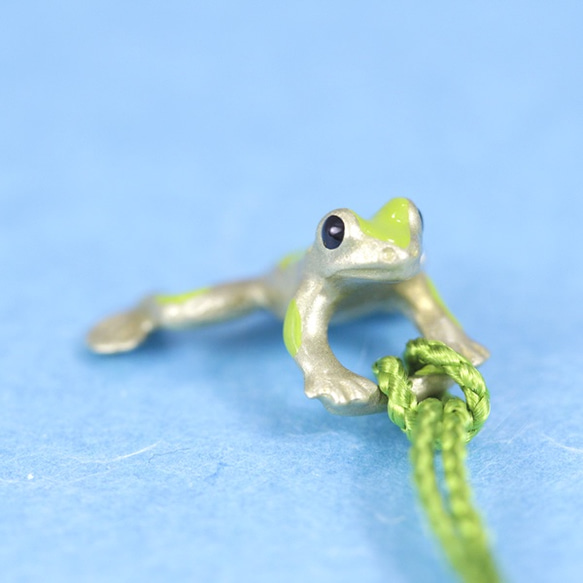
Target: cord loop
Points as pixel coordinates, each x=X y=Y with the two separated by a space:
x=426 y=357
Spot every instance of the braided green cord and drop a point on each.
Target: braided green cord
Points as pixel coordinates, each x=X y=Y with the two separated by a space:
x=446 y=423
x=478 y=564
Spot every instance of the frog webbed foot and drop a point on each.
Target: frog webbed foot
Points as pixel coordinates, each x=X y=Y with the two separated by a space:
x=121 y=332
x=345 y=393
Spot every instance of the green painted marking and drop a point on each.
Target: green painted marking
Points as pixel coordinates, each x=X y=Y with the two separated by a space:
x=390 y=224
x=292 y=329
x=291 y=258
x=435 y=295
x=181 y=298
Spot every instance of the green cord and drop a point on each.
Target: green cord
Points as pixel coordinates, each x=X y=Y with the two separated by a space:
x=445 y=423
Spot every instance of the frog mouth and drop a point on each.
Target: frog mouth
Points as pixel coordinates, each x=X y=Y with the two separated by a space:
x=381 y=273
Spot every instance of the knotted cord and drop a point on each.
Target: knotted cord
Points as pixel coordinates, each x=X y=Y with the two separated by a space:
x=446 y=423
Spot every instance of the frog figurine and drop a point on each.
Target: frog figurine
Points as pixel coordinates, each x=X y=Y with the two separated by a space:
x=354 y=266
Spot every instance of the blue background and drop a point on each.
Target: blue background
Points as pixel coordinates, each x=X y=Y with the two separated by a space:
x=168 y=145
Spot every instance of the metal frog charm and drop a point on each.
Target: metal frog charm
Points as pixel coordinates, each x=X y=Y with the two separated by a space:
x=354 y=266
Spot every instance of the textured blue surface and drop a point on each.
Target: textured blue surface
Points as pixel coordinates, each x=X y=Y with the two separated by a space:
x=173 y=144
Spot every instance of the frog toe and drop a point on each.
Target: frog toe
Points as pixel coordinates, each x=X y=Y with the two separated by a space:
x=476 y=353
x=356 y=407
x=120 y=332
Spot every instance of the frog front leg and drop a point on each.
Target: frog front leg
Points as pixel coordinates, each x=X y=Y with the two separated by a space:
x=127 y=330
x=306 y=338
x=420 y=300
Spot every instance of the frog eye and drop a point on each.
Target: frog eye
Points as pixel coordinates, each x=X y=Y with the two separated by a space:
x=421 y=217
x=332 y=232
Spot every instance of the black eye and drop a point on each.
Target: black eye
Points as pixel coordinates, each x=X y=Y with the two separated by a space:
x=332 y=232
x=421 y=217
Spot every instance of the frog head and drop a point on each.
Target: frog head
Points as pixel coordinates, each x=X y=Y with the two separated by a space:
x=386 y=248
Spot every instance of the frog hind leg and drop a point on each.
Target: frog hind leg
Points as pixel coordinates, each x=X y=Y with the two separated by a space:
x=127 y=330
